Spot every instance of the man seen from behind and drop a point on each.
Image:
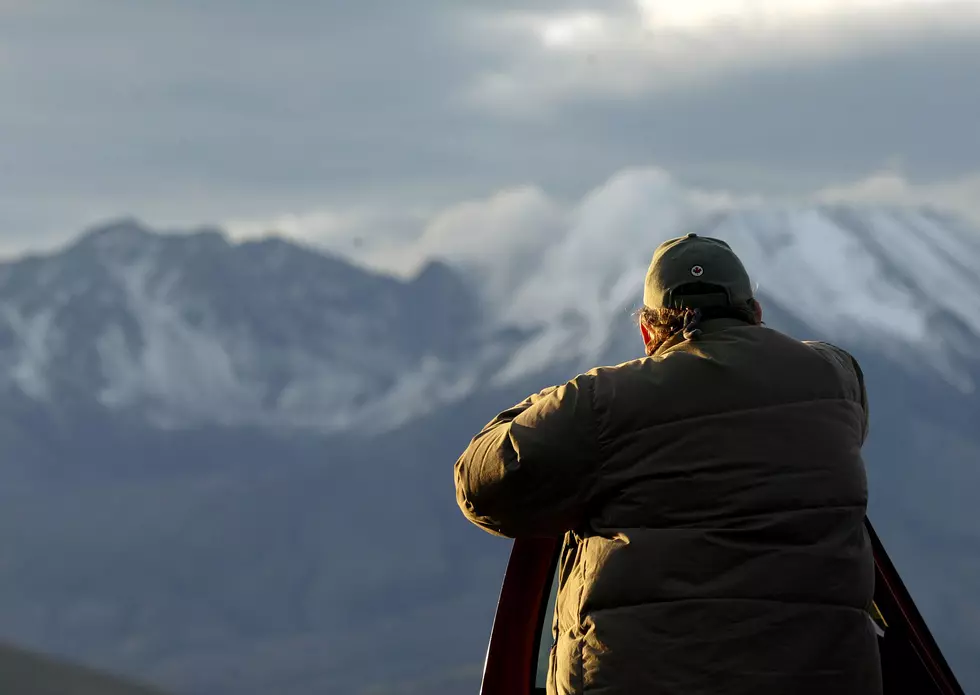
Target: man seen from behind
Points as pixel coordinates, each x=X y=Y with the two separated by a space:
x=711 y=496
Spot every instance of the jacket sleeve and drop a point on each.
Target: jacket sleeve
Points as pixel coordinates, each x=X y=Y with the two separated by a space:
x=851 y=374
x=531 y=470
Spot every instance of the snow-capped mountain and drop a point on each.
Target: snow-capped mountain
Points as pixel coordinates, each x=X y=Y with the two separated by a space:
x=905 y=282
x=192 y=329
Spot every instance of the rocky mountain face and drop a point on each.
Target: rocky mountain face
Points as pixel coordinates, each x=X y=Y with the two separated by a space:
x=191 y=330
x=226 y=467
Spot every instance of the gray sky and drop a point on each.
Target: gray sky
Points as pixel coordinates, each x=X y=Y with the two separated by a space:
x=185 y=112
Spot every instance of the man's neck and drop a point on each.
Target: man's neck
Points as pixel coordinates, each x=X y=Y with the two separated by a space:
x=707 y=326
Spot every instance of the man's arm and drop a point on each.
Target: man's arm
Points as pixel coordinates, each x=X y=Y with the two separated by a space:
x=851 y=374
x=530 y=472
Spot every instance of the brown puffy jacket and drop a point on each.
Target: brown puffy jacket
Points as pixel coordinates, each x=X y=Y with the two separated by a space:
x=712 y=499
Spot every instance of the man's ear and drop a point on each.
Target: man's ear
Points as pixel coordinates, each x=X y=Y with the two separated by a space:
x=757 y=311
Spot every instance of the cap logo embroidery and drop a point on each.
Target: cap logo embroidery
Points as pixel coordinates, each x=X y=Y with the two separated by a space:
x=697 y=271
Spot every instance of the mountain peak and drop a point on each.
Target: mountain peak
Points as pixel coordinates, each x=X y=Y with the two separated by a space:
x=190 y=327
x=128 y=236
x=124 y=230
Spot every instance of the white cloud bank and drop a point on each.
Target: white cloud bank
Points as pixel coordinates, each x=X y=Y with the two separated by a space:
x=959 y=196
x=500 y=234
x=570 y=267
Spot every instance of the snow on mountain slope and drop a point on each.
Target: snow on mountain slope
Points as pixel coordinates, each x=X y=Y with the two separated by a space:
x=906 y=281
x=190 y=329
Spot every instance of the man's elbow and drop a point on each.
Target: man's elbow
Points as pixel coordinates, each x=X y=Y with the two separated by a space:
x=508 y=520
x=481 y=512
x=494 y=527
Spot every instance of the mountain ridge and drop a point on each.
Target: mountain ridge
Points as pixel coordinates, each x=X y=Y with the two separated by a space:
x=36 y=674
x=194 y=328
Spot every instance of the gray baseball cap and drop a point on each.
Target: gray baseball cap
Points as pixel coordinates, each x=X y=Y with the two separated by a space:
x=696 y=259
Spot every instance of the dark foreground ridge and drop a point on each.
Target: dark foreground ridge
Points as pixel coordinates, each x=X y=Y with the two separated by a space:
x=27 y=673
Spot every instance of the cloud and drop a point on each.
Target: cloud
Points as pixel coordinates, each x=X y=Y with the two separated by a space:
x=702 y=14
x=499 y=238
x=659 y=46
x=496 y=237
x=960 y=196
x=591 y=274
x=502 y=237
x=512 y=235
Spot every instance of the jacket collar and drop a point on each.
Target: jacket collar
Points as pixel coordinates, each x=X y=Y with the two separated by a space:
x=707 y=327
